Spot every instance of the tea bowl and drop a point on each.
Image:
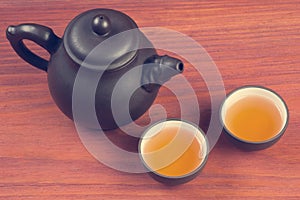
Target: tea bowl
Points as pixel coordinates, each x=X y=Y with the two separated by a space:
x=181 y=158
x=254 y=91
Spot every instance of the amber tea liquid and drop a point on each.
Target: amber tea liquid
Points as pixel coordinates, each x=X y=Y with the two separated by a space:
x=253 y=118
x=190 y=155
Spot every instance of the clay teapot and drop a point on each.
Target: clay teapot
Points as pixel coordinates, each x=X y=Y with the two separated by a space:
x=118 y=56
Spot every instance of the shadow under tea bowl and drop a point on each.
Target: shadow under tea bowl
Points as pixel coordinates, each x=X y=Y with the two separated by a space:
x=173 y=151
x=254 y=117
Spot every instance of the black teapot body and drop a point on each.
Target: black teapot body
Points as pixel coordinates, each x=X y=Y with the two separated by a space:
x=116 y=60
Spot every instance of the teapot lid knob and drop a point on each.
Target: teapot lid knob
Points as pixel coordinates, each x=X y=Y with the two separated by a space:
x=101 y=25
x=89 y=29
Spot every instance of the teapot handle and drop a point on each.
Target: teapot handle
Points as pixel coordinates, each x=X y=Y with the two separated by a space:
x=41 y=35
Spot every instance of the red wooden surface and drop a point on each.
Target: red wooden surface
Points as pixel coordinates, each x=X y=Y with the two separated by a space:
x=252 y=42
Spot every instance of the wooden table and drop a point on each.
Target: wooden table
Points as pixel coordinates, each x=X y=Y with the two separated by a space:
x=251 y=42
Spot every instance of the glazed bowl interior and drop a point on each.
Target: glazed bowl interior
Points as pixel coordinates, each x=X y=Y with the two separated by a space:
x=253 y=91
x=170 y=153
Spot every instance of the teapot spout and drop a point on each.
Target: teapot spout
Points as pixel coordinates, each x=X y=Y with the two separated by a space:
x=159 y=69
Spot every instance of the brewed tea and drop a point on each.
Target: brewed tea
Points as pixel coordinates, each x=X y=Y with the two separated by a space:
x=174 y=144
x=253 y=118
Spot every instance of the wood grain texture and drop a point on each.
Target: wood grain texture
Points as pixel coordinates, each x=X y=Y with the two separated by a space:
x=252 y=42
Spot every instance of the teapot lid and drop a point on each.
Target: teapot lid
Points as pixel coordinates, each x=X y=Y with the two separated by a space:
x=92 y=27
